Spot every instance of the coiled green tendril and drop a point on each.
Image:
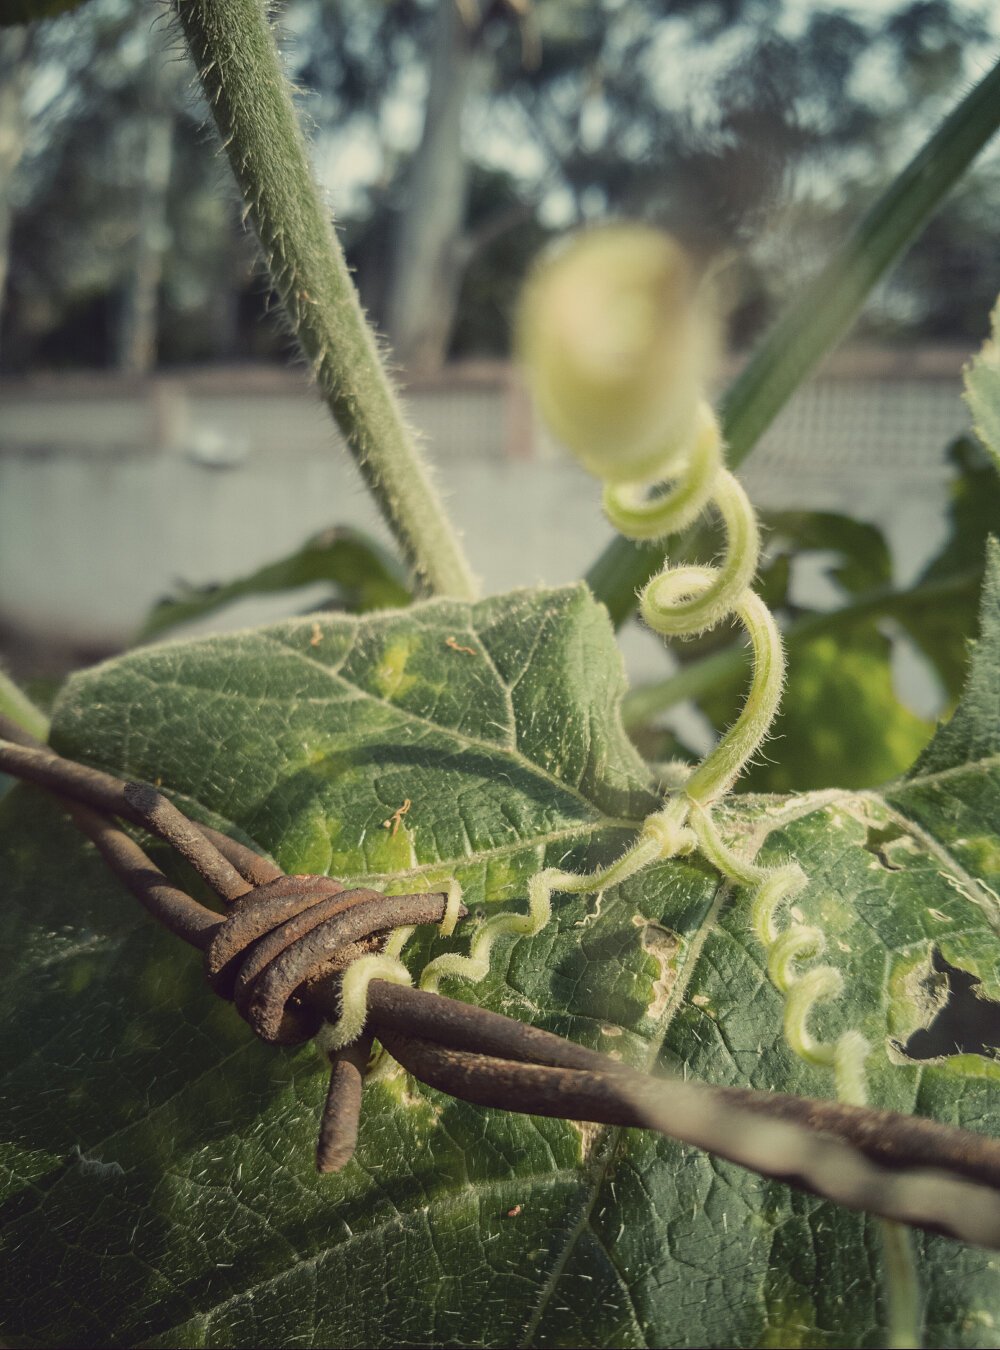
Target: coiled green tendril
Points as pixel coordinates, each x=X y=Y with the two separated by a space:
x=681 y=601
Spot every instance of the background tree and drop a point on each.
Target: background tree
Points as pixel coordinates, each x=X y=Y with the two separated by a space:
x=456 y=138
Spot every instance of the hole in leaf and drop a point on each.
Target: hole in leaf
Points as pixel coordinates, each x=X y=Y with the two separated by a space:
x=966 y=1023
x=876 y=841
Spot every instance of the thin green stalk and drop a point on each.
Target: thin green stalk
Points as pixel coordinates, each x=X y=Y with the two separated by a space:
x=717 y=773
x=706 y=674
x=902 y=1287
x=242 y=76
x=692 y=681
x=15 y=704
x=670 y=608
x=821 y=316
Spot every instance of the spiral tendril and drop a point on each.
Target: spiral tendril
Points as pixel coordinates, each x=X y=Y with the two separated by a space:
x=774 y=888
x=682 y=601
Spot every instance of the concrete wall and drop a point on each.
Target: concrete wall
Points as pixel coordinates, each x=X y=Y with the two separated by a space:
x=113 y=489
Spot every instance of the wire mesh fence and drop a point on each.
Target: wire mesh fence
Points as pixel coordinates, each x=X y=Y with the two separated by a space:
x=208 y=475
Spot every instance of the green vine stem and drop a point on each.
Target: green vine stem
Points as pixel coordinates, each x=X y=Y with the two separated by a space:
x=241 y=73
x=821 y=316
x=15 y=704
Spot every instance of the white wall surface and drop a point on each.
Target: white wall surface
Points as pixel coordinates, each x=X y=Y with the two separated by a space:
x=111 y=491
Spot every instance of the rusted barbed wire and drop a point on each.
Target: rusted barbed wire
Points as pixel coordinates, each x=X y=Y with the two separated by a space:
x=283 y=943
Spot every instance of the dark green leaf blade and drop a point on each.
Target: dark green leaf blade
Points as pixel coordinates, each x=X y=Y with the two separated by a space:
x=940 y=611
x=864 y=561
x=951 y=791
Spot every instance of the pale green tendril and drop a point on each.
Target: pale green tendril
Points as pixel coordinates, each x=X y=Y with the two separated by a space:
x=354 y=994
x=638 y=517
x=787 y=949
x=774 y=888
x=681 y=601
x=476 y=964
x=684 y=601
x=383 y=965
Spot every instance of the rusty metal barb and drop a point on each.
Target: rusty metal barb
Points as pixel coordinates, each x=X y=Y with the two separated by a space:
x=338 y=1131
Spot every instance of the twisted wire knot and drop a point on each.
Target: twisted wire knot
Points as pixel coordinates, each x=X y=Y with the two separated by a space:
x=284 y=937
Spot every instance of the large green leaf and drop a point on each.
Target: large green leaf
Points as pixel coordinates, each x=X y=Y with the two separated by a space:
x=158 y=1183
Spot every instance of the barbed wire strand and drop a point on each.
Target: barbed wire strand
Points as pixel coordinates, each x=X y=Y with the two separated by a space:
x=918 y=1172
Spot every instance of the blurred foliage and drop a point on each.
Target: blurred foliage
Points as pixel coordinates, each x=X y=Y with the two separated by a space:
x=982 y=389
x=362 y=574
x=111 y=114
x=24 y=11
x=941 y=629
x=841 y=722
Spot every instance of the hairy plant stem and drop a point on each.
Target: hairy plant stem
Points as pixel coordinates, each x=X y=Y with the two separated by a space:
x=822 y=314
x=243 y=79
